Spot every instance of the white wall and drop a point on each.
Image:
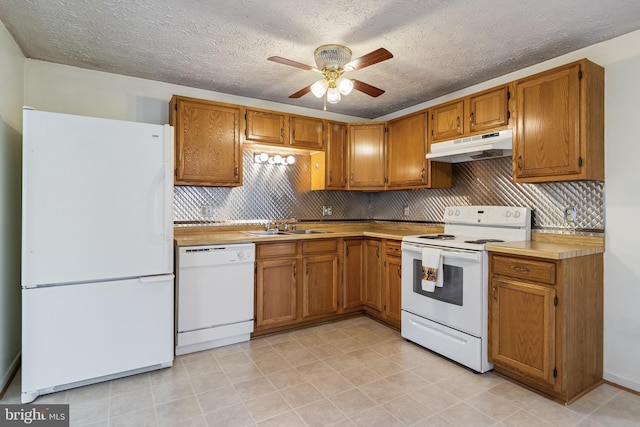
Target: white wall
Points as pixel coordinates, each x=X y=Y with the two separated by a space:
x=11 y=96
x=72 y=90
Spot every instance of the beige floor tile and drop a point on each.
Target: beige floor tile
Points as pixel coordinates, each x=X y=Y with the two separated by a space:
x=233 y=359
x=171 y=413
x=89 y=412
x=588 y=423
x=365 y=355
x=341 y=362
x=209 y=381
x=268 y=406
x=603 y=393
x=140 y=418
x=376 y=417
x=130 y=402
x=315 y=370
x=325 y=351
x=554 y=413
x=382 y=391
x=129 y=384
x=173 y=391
x=522 y=418
x=462 y=414
x=200 y=367
x=242 y=372
x=516 y=395
x=89 y=393
x=459 y=387
x=385 y=367
x=349 y=344
x=273 y=363
x=220 y=397
x=352 y=402
x=407 y=410
x=332 y=385
x=312 y=340
x=493 y=405
x=176 y=373
x=287 y=346
x=198 y=421
x=286 y=378
x=233 y=416
x=261 y=352
x=253 y=388
x=407 y=381
x=433 y=421
x=288 y=419
x=360 y=375
x=299 y=356
x=301 y=395
x=320 y=414
x=333 y=335
x=621 y=410
x=434 y=398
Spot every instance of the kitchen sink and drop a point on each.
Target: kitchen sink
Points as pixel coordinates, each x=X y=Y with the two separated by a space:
x=265 y=233
x=305 y=232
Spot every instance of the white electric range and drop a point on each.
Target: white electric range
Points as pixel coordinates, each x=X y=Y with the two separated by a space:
x=452 y=320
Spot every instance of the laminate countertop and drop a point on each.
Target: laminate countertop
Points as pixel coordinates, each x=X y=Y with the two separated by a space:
x=213 y=235
x=551 y=246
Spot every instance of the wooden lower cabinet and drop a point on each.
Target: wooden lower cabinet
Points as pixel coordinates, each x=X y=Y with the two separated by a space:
x=546 y=322
x=392 y=306
x=320 y=281
x=372 y=276
x=352 y=268
x=276 y=284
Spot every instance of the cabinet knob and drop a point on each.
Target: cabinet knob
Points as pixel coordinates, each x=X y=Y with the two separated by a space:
x=422 y=173
x=399 y=271
x=495 y=293
x=519 y=162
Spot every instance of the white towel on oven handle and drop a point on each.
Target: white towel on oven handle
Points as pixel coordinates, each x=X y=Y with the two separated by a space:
x=432 y=263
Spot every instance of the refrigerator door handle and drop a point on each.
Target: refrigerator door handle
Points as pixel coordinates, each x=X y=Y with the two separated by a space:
x=160 y=278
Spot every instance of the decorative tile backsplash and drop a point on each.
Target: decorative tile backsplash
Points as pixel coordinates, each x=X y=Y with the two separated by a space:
x=272 y=192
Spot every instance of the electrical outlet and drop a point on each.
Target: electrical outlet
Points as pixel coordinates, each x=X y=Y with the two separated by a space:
x=206 y=210
x=570 y=214
x=327 y=211
x=405 y=211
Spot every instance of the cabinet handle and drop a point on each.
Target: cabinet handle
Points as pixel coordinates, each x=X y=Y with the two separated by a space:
x=235 y=171
x=351 y=177
x=519 y=163
x=422 y=173
x=458 y=122
x=307 y=272
x=378 y=252
x=495 y=293
x=330 y=176
x=295 y=271
x=471 y=118
x=399 y=271
x=522 y=269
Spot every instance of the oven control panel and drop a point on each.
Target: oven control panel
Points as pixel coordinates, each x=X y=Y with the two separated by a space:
x=512 y=216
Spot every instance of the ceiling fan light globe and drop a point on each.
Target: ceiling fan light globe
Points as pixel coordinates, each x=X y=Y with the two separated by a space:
x=333 y=95
x=345 y=86
x=319 y=88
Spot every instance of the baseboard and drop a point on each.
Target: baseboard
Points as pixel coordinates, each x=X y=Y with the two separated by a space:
x=624 y=383
x=8 y=376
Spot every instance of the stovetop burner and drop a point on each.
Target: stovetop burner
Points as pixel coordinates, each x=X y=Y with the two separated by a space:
x=438 y=237
x=483 y=241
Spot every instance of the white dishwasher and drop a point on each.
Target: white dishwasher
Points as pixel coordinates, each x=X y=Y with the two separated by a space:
x=214 y=296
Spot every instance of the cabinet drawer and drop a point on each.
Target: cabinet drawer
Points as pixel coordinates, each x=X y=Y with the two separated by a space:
x=393 y=249
x=539 y=271
x=319 y=246
x=274 y=250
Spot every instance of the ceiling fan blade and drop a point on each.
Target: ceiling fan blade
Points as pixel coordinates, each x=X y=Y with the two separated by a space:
x=367 y=88
x=371 y=58
x=301 y=92
x=291 y=63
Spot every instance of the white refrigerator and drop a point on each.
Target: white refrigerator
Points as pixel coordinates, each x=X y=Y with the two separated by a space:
x=97 y=250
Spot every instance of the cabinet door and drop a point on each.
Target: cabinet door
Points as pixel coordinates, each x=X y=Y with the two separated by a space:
x=392 y=288
x=366 y=156
x=265 y=127
x=373 y=275
x=320 y=285
x=336 y=152
x=489 y=110
x=276 y=292
x=446 y=121
x=307 y=132
x=547 y=139
x=207 y=137
x=353 y=268
x=406 y=150
x=522 y=328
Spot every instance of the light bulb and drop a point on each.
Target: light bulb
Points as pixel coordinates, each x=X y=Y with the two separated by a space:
x=291 y=160
x=319 y=88
x=333 y=95
x=271 y=161
x=345 y=86
x=277 y=159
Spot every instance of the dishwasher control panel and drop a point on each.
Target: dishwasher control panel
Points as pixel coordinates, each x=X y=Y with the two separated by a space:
x=194 y=256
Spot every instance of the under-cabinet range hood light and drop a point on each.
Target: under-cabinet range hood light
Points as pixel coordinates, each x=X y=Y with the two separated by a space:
x=478 y=147
x=276 y=159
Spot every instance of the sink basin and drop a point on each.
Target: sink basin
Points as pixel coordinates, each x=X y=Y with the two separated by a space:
x=304 y=232
x=265 y=233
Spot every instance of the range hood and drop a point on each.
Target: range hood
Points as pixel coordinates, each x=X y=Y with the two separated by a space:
x=477 y=147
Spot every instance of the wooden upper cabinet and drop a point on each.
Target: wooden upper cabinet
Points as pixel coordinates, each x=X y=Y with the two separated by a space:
x=336 y=154
x=307 y=132
x=406 y=150
x=560 y=125
x=267 y=127
x=447 y=121
x=208 y=148
x=489 y=109
x=366 y=156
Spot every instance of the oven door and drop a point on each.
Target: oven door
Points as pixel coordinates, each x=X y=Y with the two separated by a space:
x=460 y=302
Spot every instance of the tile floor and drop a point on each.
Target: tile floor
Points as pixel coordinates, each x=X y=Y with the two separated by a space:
x=355 y=372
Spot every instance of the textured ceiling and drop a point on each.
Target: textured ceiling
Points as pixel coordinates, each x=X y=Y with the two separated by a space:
x=439 y=46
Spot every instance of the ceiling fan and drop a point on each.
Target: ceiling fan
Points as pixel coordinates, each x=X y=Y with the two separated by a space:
x=332 y=61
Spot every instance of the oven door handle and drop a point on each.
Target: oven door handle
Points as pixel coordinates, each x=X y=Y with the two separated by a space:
x=471 y=256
